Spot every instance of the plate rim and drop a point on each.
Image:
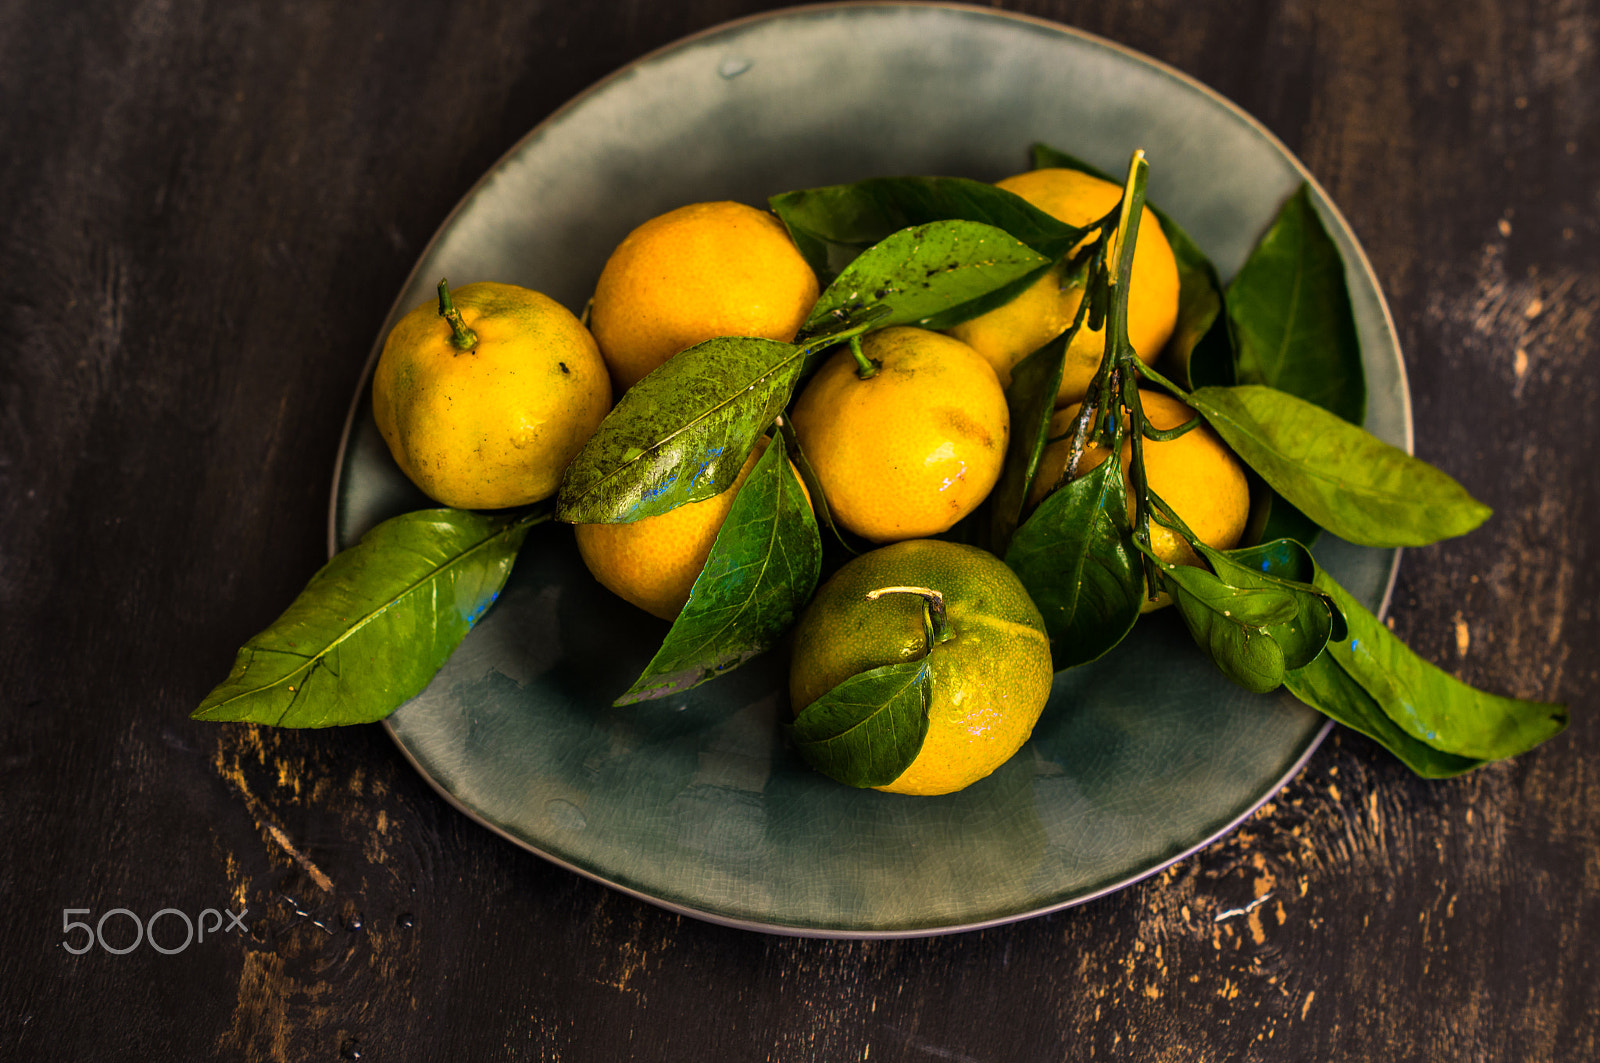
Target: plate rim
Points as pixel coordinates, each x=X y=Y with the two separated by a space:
x=1325 y=203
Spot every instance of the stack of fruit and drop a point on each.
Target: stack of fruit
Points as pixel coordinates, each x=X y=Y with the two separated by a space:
x=943 y=405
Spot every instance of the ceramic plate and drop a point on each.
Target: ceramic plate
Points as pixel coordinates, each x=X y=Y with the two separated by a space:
x=696 y=803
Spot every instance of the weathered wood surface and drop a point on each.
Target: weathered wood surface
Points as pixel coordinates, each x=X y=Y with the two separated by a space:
x=207 y=208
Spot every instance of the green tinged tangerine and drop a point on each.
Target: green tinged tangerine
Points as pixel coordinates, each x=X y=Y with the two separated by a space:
x=873 y=659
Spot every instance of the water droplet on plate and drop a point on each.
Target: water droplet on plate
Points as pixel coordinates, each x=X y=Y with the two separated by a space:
x=351 y=1049
x=405 y=921
x=733 y=66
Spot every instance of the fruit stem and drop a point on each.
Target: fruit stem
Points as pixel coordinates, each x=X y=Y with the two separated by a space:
x=866 y=368
x=461 y=337
x=935 y=623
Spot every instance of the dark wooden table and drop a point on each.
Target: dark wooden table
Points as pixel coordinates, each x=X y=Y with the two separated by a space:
x=205 y=211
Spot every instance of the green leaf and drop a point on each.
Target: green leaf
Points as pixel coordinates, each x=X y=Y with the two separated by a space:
x=934 y=275
x=374 y=625
x=1346 y=480
x=821 y=513
x=1073 y=555
x=682 y=433
x=1292 y=286
x=760 y=573
x=1199 y=307
x=1428 y=704
x=1031 y=399
x=867 y=730
x=1291 y=560
x=1284 y=566
x=1254 y=607
x=1328 y=688
x=1280 y=520
x=1290 y=311
x=839 y=221
x=1285 y=559
x=1233 y=624
x=1210 y=364
x=1199 y=290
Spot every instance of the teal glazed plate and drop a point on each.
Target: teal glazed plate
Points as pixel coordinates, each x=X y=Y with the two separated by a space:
x=696 y=803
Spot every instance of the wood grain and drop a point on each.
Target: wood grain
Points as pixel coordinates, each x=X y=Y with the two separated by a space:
x=207 y=210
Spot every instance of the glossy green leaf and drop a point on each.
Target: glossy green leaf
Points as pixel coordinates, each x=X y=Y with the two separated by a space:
x=759 y=575
x=1267 y=567
x=1250 y=606
x=1345 y=479
x=1210 y=363
x=1199 y=290
x=1280 y=520
x=1074 y=556
x=1284 y=558
x=933 y=275
x=1288 y=559
x=1290 y=311
x=1199 y=308
x=1429 y=704
x=682 y=433
x=832 y=225
x=1031 y=400
x=867 y=730
x=982 y=304
x=822 y=515
x=1328 y=688
x=1233 y=624
x=374 y=625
